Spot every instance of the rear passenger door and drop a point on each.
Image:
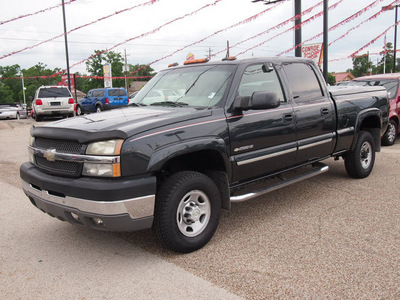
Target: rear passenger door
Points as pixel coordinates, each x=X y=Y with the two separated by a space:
x=315 y=119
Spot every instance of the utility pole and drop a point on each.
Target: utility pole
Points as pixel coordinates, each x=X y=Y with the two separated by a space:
x=325 y=47
x=297 y=31
x=23 y=87
x=227 y=49
x=66 y=45
x=126 y=69
x=209 y=53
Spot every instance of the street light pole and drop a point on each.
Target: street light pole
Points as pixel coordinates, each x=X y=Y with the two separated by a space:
x=66 y=45
x=23 y=87
x=395 y=41
x=297 y=31
x=325 y=38
x=391 y=7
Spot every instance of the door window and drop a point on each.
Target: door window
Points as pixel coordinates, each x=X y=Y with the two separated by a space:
x=257 y=78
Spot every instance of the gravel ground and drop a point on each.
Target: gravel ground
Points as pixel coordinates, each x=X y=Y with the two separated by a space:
x=330 y=237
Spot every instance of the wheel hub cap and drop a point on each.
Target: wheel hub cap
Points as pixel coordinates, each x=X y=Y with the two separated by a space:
x=193 y=213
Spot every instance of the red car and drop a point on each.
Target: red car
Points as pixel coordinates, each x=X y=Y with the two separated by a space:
x=391 y=83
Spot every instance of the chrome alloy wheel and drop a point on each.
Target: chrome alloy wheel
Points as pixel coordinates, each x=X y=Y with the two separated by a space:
x=366 y=155
x=391 y=134
x=193 y=213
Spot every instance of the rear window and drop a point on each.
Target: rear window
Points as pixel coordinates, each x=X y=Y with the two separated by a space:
x=303 y=81
x=53 y=92
x=117 y=92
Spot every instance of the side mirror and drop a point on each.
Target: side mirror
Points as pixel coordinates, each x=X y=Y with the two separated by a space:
x=258 y=101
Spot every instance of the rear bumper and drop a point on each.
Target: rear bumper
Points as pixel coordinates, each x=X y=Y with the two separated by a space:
x=113 y=205
x=54 y=111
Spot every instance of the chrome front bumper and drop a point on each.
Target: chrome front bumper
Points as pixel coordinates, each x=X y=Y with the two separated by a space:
x=122 y=215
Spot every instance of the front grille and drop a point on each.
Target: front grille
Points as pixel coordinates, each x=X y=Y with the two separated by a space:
x=62 y=146
x=60 y=168
x=64 y=168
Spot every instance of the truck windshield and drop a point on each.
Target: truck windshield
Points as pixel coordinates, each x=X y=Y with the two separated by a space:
x=199 y=86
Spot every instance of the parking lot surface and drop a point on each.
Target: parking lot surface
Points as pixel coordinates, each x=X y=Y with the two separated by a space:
x=329 y=237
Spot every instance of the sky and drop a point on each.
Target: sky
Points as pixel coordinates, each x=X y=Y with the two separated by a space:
x=161 y=28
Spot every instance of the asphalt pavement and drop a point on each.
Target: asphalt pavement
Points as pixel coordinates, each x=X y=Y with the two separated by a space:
x=329 y=237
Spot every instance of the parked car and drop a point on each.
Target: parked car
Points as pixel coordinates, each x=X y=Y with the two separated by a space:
x=52 y=101
x=9 y=112
x=13 y=111
x=97 y=100
x=391 y=83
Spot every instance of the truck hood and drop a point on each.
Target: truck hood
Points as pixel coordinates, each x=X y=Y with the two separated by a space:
x=117 y=123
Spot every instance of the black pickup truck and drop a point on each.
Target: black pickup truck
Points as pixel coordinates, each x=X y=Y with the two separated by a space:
x=199 y=137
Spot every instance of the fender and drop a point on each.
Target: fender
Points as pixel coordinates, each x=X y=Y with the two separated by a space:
x=163 y=155
x=373 y=125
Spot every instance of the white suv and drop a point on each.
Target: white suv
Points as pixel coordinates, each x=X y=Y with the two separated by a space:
x=53 y=101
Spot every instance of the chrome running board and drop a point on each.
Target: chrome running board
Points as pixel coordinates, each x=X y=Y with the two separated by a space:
x=316 y=169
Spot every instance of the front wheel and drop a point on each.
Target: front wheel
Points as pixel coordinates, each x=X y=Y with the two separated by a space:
x=188 y=209
x=360 y=161
x=79 y=111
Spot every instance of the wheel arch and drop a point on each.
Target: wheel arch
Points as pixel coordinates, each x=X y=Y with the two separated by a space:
x=207 y=156
x=370 y=121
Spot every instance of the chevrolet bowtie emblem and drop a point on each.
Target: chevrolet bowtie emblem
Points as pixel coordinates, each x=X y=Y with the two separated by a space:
x=50 y=154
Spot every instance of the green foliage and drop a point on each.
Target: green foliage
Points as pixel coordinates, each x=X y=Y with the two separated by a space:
x=144 y=71
x=360 y=66
x=331 y=79
x=94 y=65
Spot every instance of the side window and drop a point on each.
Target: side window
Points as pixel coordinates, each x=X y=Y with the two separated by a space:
x=89 y=94
x=303 y=82
x=255 y=79
x=98 y=93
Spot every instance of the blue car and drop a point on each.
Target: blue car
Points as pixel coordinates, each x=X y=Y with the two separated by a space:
x=97 y=100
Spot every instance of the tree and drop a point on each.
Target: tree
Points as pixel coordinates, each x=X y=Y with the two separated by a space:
x=94 y=65
x=331 y=79
x=361 y=65
x=386 y=63
x=144 y=71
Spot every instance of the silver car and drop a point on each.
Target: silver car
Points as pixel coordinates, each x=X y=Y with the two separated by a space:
x=53 y=101
x=11 y=112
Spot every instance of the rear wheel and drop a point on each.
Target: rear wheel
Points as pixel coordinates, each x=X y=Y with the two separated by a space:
x=187 y=211
x=98 y=108
x=360 y=161
x=389 y=137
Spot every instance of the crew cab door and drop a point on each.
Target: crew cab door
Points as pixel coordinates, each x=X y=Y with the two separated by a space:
x=262 y=140
x=315 y=117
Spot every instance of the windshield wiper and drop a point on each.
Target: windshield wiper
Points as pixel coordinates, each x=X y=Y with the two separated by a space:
x=169 y=103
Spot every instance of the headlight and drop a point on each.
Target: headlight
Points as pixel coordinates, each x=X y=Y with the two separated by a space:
x=111 y=147
x=30 y=153
x=101 y=169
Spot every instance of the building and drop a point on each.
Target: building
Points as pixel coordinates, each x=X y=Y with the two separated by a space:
x=344 y=76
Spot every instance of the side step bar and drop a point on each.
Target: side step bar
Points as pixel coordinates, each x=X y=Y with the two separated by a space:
x=317 y=169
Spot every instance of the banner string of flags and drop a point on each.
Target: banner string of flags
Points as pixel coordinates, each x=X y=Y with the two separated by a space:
x=79 y=27
x=247 y=20
x=345 y=21
x=35 y=13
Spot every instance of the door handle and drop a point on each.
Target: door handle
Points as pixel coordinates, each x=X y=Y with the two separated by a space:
x=288 y=118
x=324 y=111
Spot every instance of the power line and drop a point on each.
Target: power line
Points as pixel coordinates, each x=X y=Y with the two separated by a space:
x=35 y=13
